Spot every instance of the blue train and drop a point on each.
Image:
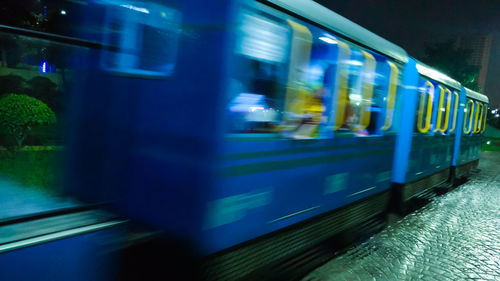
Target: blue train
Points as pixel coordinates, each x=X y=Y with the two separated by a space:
x=248 y=131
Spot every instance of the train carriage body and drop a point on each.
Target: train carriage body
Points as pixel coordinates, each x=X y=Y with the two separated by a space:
x=430 y=125
x=251 y=133
x=294 y=125
x=474 y=111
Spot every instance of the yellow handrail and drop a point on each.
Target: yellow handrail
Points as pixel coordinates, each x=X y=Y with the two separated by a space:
x=367 y=92
x=430 y=94
x=447 y=116
x=300 y=54
x=484 y=118
x=468 y=113
x=440 y=112
x=479 y=114
x=342 y=76
x=455 y=112
x=391 y=96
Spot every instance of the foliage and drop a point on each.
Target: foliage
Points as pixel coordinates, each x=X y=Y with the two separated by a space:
x=12 y=84
x=19 y=114
x=45 y=90
x=38 y=87
x=454 y=62
x=494 y=122
x=491 y=144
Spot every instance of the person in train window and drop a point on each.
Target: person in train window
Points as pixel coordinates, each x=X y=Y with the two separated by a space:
x=311 y=98
x=311 y=113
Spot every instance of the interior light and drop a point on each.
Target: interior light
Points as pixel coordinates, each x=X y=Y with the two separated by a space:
x=328 y=40
x=135 y=8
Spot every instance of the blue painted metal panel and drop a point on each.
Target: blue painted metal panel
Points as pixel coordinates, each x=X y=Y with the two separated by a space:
x=469 y=146
x=302 y=179
x=429 y=154
x=147 y=144
x=406 y=116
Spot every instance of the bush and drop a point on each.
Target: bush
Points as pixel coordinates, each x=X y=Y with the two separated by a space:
x=45 y=90
x=12 y=84
x=19 y=114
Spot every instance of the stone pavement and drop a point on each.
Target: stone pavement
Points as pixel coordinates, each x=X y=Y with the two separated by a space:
x=454 y=237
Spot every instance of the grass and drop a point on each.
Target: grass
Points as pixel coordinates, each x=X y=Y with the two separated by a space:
x=35 y=168
x=491 y=144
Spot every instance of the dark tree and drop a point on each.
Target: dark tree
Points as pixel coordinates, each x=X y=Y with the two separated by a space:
x=45 y=90
x=453 y=61
x=12 y=84
x=25 y=14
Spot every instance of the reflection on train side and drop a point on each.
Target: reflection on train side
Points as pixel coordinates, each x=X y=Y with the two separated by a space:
x=296 y=80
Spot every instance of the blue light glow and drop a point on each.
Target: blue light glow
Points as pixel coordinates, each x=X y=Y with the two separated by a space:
x=44 y=67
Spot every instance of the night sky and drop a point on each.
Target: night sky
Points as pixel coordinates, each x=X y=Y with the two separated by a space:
x=413 y=23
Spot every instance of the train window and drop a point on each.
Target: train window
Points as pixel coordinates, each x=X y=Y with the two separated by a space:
x=390 y=98
x=367 y=98
x=257 y=84
x=143 y=38
x=282 y=78
x=35 y=82
x=443 y=110
x=424 y=112
x=468 y=116
x=454 y=112
x=361 y=88
x=297 y=80
x=368 y=95
x=478 y=117
x=485 y=114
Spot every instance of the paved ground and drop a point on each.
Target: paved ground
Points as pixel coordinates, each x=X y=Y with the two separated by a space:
x=455 y=237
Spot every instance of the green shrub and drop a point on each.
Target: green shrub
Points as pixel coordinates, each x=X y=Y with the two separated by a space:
x=12 y=84
x=19 y=114
x=45 y=90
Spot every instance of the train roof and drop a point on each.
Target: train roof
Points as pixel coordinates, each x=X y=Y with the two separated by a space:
x=315 y=12
x=475 y=95
x=436 y=75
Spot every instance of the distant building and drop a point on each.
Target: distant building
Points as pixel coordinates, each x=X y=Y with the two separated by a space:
x=481 y=50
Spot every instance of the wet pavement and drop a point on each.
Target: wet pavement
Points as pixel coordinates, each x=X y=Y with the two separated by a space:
x=455 y=237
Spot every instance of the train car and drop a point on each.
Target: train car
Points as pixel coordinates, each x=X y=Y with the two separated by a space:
x=248 y=136
x=426 y=140
x=473 y=113
x=270 y=132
